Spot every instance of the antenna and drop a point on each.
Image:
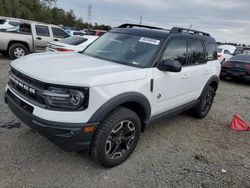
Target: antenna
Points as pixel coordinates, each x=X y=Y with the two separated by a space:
x=190 y=27
x=140 y=20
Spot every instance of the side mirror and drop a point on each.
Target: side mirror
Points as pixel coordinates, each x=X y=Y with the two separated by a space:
x=170 y=65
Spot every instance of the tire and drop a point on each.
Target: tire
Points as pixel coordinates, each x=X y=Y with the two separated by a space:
x=203 y=107
x=109 y=148
x=17 y=50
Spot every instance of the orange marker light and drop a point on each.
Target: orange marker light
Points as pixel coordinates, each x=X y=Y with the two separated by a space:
x=88 y=129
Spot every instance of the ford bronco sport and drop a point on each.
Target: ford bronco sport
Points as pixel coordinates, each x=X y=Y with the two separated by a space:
x=102 y=99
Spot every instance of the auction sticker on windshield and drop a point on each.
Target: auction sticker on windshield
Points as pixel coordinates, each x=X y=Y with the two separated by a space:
x=149 y=41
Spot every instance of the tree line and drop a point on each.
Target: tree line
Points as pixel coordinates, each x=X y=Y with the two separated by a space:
x=45 y=11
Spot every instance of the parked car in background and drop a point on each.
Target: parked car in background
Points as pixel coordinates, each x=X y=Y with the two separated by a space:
x=236 y=67
x=225 y=52
x=246 y=50
x=75 y=43
x=95 y=32
x=75 y=32
x=32 y=37
x=9 y=25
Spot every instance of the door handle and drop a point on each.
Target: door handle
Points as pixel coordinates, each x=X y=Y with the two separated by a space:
x=56 y=40
x=185 y=76
x=38 y=38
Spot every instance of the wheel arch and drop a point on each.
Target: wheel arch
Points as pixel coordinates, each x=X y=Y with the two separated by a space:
x=213 y=82
x=21 y=42
x=132 y=100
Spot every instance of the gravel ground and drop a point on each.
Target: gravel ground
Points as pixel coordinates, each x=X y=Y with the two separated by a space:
x=177 y=152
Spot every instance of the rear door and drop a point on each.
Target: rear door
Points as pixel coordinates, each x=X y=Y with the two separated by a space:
x=198 y=62
x=41 y=36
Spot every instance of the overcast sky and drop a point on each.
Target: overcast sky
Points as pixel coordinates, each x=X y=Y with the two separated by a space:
x=226 y=20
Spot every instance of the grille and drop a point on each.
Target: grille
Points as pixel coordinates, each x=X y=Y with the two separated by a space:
x=28 y=88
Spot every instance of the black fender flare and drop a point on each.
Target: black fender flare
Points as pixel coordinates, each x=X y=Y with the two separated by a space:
x=113 y=103
x=212 y=79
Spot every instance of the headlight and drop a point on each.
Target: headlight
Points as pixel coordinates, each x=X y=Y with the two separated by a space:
x=66 y=99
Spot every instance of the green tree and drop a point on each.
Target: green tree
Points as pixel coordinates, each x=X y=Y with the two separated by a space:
x=44 y=11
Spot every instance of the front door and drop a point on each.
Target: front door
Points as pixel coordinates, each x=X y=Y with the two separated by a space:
x=171 y=89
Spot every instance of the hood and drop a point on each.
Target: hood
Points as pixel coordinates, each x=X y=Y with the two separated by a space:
x=75 y=69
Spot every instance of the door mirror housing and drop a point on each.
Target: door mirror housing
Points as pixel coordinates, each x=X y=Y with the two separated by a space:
x=170 y=66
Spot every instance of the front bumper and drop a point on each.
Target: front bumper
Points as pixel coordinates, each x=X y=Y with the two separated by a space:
x=68 y=136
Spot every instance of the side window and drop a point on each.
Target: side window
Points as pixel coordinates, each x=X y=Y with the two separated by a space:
x=196 y=52
x=227 y=52
x=176 y=50
x=59 y=33
x=14 y=23
x=211 y=51
x=42 y=31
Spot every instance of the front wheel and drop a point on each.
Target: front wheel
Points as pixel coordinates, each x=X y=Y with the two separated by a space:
x=203 y=107
x=117 y=137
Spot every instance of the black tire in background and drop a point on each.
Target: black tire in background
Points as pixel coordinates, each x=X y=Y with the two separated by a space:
x=203 y=107
x=17 y=50
x=5 y=54
x=102 y=143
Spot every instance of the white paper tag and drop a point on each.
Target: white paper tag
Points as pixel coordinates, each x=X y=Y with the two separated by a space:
x=149 y=41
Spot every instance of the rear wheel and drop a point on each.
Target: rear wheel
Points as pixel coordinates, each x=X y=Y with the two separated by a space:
x=17 y=50
x=205 y=103
x=117 y=137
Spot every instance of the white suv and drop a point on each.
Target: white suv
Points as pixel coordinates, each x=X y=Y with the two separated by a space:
x=104 y=98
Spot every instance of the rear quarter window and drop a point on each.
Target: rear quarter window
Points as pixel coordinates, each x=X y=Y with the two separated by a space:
x=211 y=51
x=25 y=28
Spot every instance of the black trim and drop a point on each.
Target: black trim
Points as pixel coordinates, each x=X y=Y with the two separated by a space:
x=152 y=85
x=128 y=25
x=105 y=109
x=212 y=79
x=173 y=112
x=68 y=136
x=188 y=31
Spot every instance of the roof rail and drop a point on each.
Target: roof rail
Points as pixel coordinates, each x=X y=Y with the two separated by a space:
x=189 y=31
x=127 y=25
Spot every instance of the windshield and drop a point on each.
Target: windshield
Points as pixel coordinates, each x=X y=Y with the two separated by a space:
x=124 y=48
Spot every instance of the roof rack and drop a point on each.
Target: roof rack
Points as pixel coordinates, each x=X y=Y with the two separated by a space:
x=189 y=31
x=137 y=25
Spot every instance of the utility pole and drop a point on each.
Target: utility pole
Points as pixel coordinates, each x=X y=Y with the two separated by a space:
x=140 y=20
x=89 y=13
